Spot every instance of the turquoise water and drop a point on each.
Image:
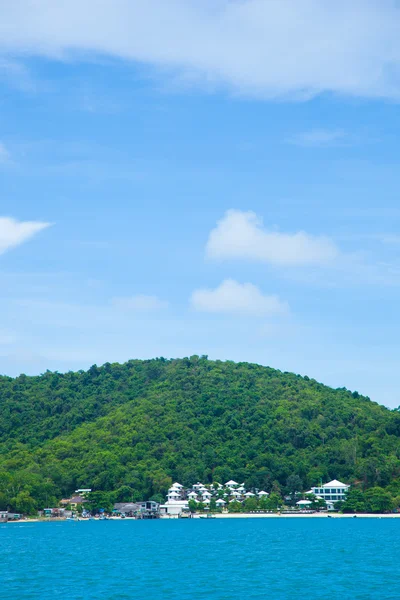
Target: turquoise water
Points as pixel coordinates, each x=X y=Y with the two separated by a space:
x=241 y=559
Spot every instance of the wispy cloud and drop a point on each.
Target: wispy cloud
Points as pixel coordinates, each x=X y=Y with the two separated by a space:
x=319 y=138
x=14 y=233
x=232 y=297
x=139 y=302
x=4 y=154
x=241 y=235
x=269 y=48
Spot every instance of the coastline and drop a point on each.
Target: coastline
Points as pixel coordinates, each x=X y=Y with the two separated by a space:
x=309 y=516
x=232 y=516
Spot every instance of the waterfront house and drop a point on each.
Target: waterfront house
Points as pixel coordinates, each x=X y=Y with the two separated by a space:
x=3 y=516
x=262 y=493
x=304 y=503
x=174 y=507
x=220 y=503
x=75 y=500
x=331 y=492
x=128 y=509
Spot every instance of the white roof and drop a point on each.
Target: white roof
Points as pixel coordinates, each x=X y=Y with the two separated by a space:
x=176 y=503
x=303 y=502
x=262 y=493
x=249 y=494
x=231 y=482
x=206 y=501
x=220 y=501
x=335 y=484
x=234 y=500
x=192 y=494
x=206 y=493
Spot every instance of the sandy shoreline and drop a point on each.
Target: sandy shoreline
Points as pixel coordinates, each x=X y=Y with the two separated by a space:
x=233 y=516
x=308 y=516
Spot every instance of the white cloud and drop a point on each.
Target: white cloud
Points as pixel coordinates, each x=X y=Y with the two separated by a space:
x=237 y=298
x=13 y=232
x=140 y=302
x=241 y=235
x=270 y=48
x=319 y=138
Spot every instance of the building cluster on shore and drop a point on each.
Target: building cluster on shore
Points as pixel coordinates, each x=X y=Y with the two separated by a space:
x=198 y=497
x=220 y=497
x=216 y=495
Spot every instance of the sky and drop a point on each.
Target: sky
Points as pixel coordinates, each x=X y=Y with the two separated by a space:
x=215 y=177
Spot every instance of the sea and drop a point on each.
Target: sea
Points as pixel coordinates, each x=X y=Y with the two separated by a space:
x=202 y=559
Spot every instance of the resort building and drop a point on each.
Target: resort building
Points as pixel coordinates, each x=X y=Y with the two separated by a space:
x=83 y=491
x=146 y=510
x=231 y=484
x=174 y=507
x=331 y=492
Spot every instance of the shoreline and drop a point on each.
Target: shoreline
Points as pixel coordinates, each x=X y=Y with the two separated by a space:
x=231 y=516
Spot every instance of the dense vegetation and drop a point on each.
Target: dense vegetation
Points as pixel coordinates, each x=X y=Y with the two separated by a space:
x=133 y=428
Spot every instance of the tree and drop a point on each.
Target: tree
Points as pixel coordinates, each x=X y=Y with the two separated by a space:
x=192 y=505
x=294 y=486
x=251 y=504
x=378 y=500
x=273 y=501
x=234 y=507
x=24 y=503
x=125 y=494
x=354 y=502
x=213 y=505
x=100 y=501
x=316 y=503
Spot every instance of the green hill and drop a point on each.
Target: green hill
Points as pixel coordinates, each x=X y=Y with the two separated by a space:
x=133 y=428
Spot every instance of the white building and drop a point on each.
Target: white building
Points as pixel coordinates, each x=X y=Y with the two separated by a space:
x=331 y=492
x=303 y=503
x=174 y=507
x=262 y=493
x=173 y=494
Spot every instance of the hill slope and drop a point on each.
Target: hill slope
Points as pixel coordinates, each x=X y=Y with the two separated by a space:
x=145 y=423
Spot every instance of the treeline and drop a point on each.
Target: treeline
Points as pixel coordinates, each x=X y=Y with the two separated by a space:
x=132 y=429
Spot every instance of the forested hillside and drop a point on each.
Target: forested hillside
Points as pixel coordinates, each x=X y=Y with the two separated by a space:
x=133 y=428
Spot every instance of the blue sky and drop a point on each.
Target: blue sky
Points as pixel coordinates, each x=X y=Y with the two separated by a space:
x=221 y=179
